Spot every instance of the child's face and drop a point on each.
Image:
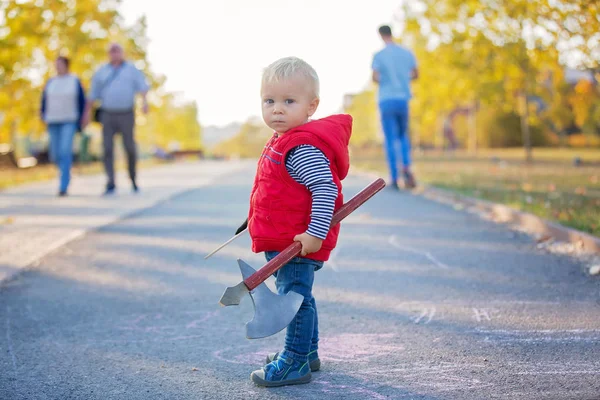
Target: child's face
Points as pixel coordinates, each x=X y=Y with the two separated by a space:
x=288 y=103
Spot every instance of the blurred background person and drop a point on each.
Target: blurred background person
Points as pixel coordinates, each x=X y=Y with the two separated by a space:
x=115 y=85
x=393 y=69
x=63 y=101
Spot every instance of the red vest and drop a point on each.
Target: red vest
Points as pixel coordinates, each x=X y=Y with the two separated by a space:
x=280 y=207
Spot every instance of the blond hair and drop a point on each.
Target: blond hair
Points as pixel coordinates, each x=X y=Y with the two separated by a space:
x=288 y=67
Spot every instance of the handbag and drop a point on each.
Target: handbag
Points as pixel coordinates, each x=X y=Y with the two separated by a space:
x=97 y=114
x=98 y=110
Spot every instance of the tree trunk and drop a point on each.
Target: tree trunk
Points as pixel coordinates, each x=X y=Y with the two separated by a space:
x=439 y=137
x=525 y=132
x=473 y=129
x=417 y=139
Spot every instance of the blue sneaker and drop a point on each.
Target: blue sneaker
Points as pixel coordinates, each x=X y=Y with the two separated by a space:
x=280 y=372
x=313 y=360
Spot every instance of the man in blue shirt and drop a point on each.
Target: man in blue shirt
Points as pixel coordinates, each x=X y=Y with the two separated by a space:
x=115 y=85
x=394 y=67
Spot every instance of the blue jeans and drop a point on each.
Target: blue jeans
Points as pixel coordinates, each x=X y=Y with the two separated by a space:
x=394 y=120
x=302 y=335
x=61 y=149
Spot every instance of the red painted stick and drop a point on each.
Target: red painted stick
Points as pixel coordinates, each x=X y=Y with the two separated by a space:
x=294 y=249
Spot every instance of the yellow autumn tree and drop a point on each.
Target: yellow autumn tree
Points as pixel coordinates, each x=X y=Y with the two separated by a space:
x=502 y=59
x=34 y=32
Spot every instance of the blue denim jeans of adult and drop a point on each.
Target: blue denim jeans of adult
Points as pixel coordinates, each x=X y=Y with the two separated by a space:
x=61 y=150
x=394 y=120
x=302 y=334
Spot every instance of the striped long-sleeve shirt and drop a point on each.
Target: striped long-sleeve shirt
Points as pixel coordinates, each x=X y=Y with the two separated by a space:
x=308 y=166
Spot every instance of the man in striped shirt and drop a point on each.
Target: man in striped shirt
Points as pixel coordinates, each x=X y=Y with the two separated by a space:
x=295 y=193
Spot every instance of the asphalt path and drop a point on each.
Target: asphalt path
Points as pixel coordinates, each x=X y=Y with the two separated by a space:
x=419 y=301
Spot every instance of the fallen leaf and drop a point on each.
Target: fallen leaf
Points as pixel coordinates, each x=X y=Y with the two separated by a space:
x=194 y=369
x=544 y=238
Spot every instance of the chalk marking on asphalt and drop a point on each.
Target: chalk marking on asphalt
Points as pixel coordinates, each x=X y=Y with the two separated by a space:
x=541 y=335
x=536 y=331
x=9 y=341
x=558 y=372
x=134 y=324
x=331 y=262
x=428 y=255
x=547 y=339
x=535 y=368
x=428 y=313
x=195 y=323
x=430 y=369
x=447 y=377
x=244 y=356
x=417 y=319
x=329 y=387
x=480 y=314
x=431 y=315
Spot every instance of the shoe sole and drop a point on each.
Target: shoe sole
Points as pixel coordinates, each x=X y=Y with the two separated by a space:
x=261 y=382
x=410 y=184
x=314 y=365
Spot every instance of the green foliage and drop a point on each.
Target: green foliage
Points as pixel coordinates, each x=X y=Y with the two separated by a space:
x=503 y=130
x=551 y=187
x=34 y=32
x=171 y=123
x=365 y=120
x=248 y=143
x=497 y=54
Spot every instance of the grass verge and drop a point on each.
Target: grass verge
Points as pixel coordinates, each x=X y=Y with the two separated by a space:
x=10 y=177
x=552 y=187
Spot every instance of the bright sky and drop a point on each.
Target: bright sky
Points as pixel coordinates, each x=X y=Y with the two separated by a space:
x=214 y=51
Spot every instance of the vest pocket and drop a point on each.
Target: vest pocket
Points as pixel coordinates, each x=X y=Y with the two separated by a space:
x=287 y=223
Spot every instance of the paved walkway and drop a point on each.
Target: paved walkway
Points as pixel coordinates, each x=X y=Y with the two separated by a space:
x=419 y=301
x=34 y=221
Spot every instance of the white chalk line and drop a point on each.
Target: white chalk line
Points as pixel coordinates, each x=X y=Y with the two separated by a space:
x=9 y=341
x=426 y=254
x=428 y=313
x=558 y=372
x=542 y=335
x=481 y=314
x=331 y=262
x=446 y=377
x=546 y=339
x=420 y=317
x=537 y=368
x=536 y=331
